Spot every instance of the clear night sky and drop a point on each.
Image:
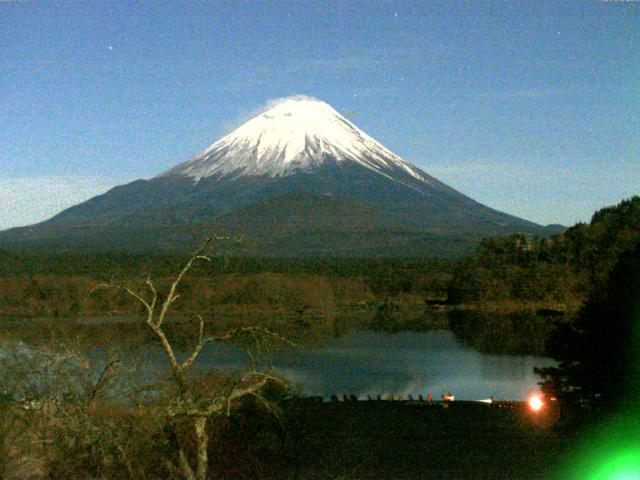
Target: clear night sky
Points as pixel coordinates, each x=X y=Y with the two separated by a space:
x=529 y=107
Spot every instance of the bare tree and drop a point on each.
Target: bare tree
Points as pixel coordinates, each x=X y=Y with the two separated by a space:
x=189 y=402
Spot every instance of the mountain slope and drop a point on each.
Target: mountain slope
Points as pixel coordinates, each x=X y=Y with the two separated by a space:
x=298 y=178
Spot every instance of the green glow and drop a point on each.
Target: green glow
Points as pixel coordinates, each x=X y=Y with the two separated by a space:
x=623 y=466
x=610 y=452
x=610 y=448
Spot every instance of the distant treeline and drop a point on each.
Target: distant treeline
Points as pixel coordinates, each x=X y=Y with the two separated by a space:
x=140 y=265
x=245 y=294
x=60 y=285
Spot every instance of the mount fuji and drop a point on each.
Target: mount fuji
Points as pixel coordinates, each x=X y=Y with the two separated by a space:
x=299 y=179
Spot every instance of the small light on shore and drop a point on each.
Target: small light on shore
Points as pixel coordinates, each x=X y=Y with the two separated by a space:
x=535 y=403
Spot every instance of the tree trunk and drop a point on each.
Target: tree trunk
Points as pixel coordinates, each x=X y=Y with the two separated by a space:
x=202 y=437
x=187 y=471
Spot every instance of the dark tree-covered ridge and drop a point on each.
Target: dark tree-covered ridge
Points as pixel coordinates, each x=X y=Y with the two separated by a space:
x=563 y=268
x=599 y=353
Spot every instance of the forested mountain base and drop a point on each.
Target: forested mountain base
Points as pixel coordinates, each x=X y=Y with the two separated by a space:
x=511 y=293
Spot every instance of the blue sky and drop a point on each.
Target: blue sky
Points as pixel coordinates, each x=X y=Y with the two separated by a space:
x=529 y=107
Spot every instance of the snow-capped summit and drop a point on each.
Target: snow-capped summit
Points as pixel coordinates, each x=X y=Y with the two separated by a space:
x=293 y=134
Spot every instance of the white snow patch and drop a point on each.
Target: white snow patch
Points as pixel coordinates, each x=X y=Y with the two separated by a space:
x=292 y=134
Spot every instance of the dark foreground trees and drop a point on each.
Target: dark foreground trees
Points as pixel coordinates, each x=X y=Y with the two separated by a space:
x=599 y=353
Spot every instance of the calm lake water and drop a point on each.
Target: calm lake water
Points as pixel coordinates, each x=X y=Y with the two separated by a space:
x=377 y=363
x=370 y=363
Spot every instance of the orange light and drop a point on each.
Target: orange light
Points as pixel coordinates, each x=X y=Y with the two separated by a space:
x=535 y=403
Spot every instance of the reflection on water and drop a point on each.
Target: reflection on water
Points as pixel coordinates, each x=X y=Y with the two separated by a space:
x=376 y=363
x=372 y=363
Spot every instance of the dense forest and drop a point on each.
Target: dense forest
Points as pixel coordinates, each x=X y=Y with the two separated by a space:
x=563 y=269
x=514 y=292
x=34 y=285
x=598 y=352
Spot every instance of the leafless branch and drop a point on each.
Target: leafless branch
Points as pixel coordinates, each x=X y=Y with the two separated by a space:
x=172 y=297
x=101 y=379
x=199 y=346
x=153 y=292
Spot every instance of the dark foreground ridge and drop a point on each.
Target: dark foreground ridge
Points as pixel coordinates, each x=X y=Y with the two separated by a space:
x=411 y=440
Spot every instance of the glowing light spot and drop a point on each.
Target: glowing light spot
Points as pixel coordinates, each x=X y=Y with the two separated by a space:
x=535 y=403
x=621 y=466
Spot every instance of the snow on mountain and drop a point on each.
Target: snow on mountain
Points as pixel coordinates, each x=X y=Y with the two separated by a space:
x=295 y=134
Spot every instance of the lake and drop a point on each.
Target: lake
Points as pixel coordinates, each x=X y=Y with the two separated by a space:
x=365 y=363
x=373 y=363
